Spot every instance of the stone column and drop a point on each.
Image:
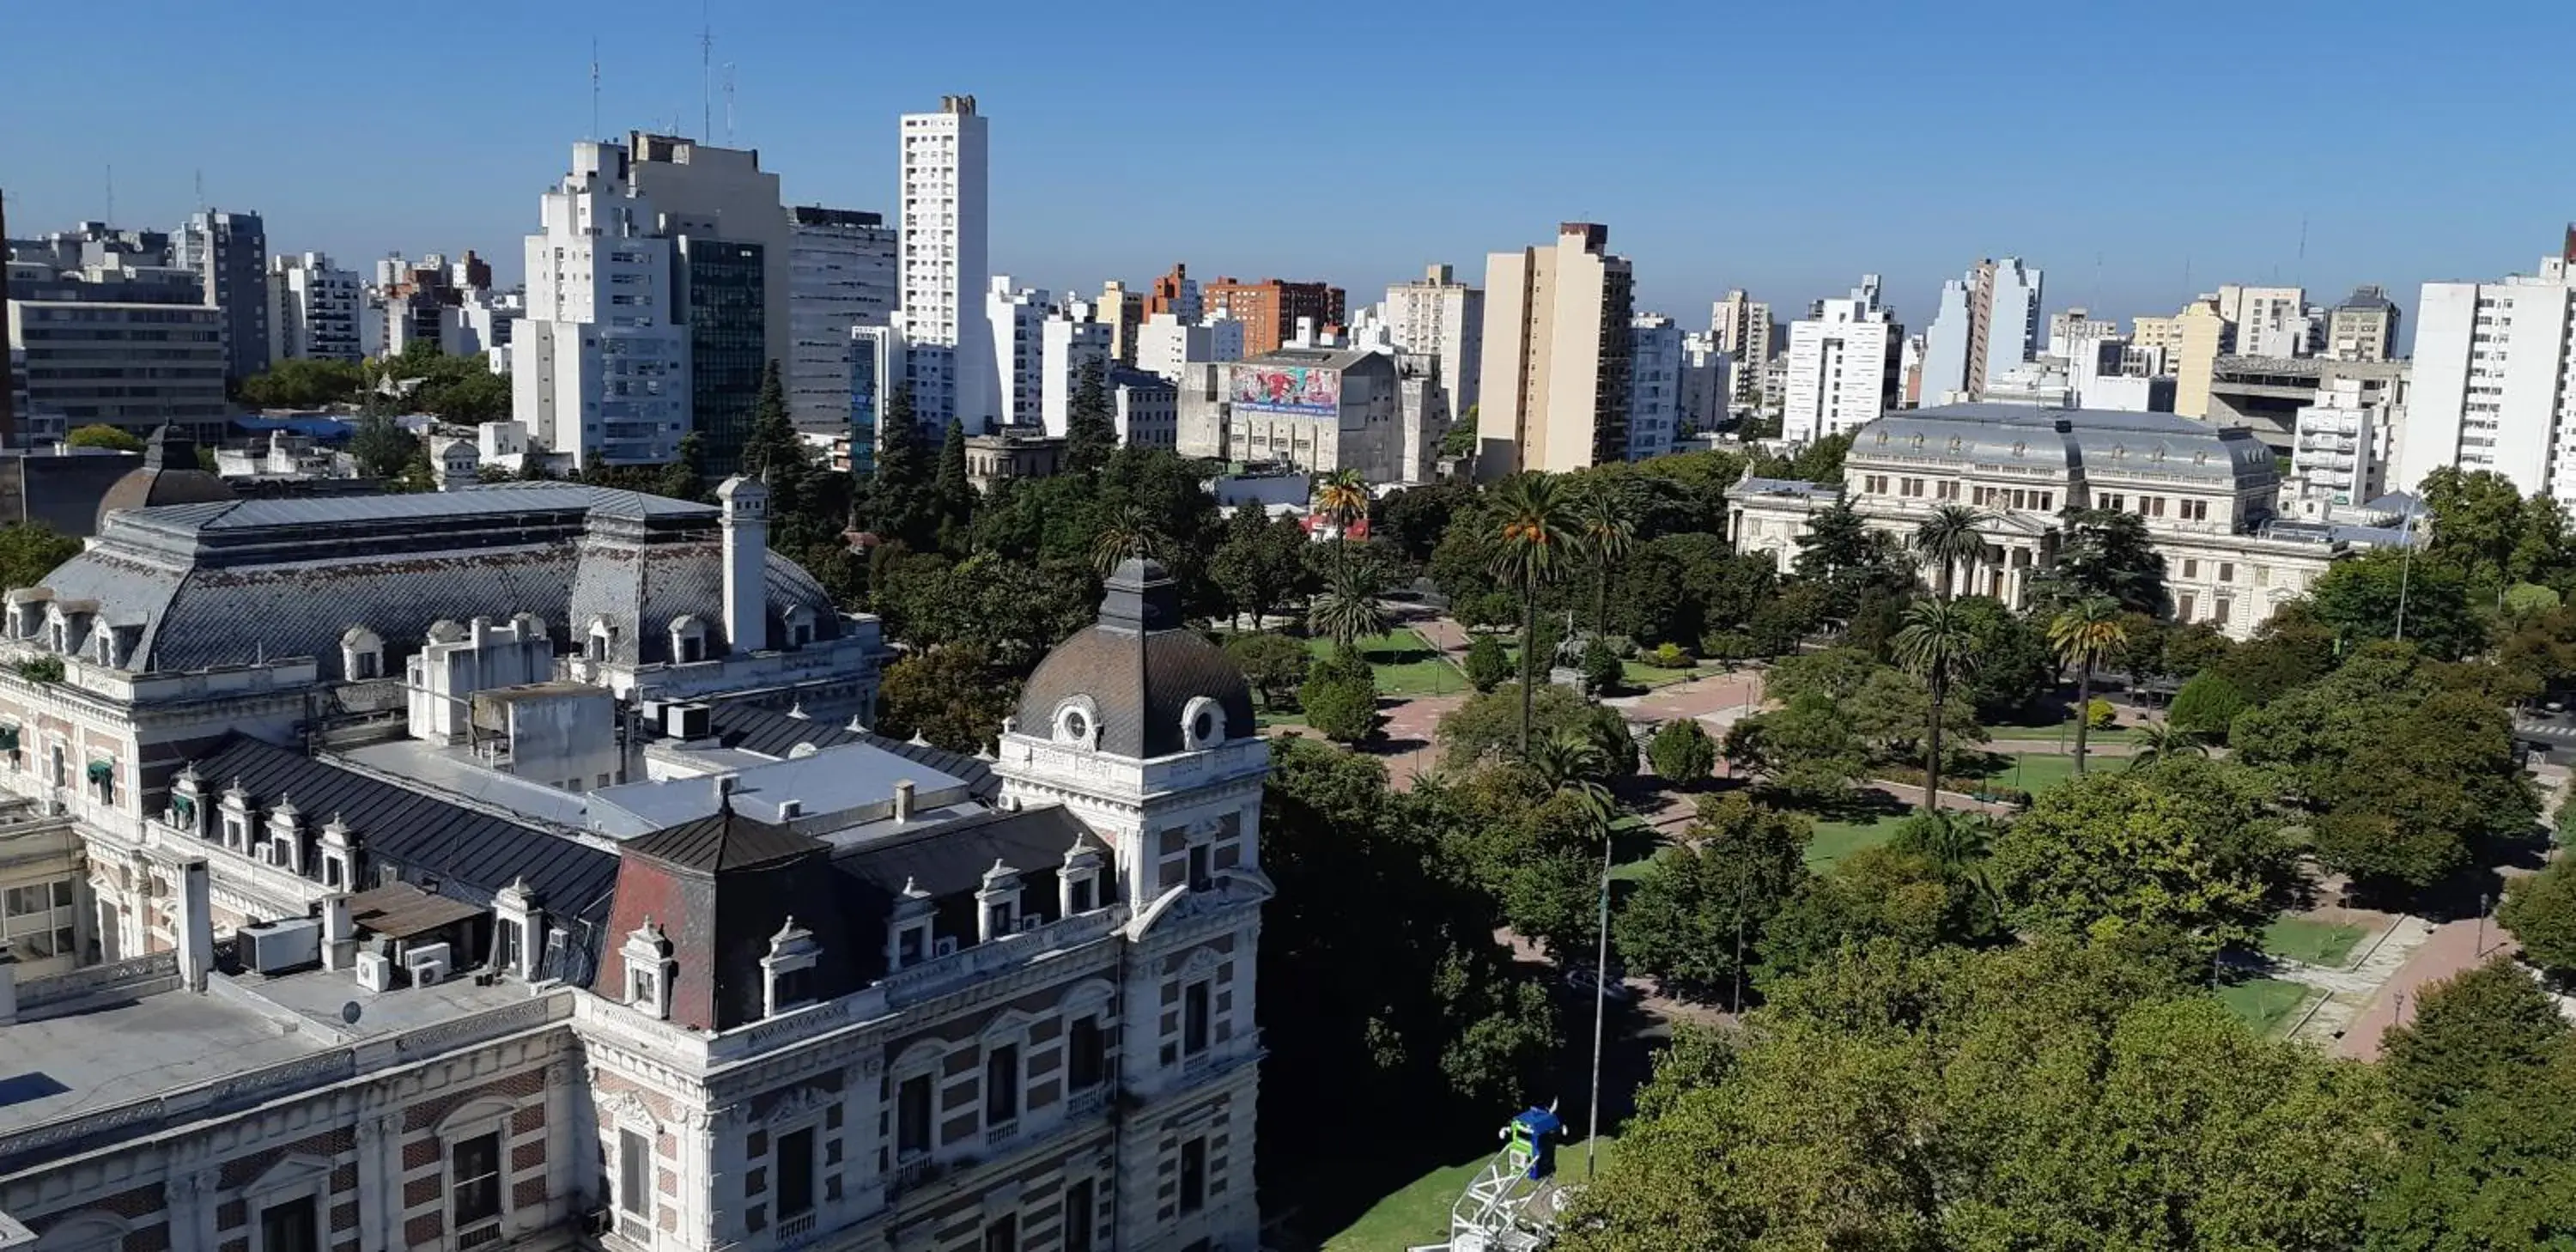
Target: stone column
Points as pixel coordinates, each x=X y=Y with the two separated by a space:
x=379 y=1177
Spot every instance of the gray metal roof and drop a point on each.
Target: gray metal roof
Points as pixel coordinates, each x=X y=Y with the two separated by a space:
x=773 y=734
x=831 y=780
x=2095 y=441
x=1140 y=668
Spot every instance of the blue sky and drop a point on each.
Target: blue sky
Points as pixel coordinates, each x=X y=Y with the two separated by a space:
x=2137 y=154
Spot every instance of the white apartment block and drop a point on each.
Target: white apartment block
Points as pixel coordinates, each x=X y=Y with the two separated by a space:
x=313 y=309
x=1654 y=385
x=2011 y=313
x=1167 y=343
x=2340 y=445
x=1016 y=322
x=943 y=265
x=1945 y=348
x=2269 y=321
x=1742 y=327
x=1068 y=341
x=600 y=364
x=1145 y=407
x=1841 y=366
x=2494 y=383
x=1707 y=381
x=841 y=275
x=1439 y=316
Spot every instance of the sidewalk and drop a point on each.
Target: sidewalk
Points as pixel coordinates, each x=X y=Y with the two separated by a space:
x=2446 y=950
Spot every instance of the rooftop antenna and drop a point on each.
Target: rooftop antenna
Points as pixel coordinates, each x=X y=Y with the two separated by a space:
x=201 y=191
x=594 y=87
x=728 y=89
x=111 y=196
x=2302 y=271
x=706 y=74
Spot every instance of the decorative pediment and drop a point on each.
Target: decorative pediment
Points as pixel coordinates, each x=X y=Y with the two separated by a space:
x=293 y=1171
x=797 y=1105
x=625 y=1108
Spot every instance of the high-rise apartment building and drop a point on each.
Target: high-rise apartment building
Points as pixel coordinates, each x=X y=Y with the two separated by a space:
x=600 y=365
x=1069 y=341
x=1122 y=311
x=1843 y=365
x=1742 y=328
x=841 y=274
x=1944 y=376
x=1270 y=309
x=1017 y=323
x=1554 y=388
x=313 y=309
x=1166 y=345
x=1707 y=379
x=112 y=342
x=2003 y=329
x=2201 y=334
x=229 y=252
x=1175 y=293
x=724 y=297
x=949 y=355
x=2340 y=445
x=2489 y=389
x=707 y=192
x=1654 y=385
x=1438 y=316
x=2269 y=321
x=2363 y=327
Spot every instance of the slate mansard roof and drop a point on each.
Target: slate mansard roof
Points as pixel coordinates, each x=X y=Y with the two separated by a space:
x=1140 y=668
x=2079 y=440
x=231 y=582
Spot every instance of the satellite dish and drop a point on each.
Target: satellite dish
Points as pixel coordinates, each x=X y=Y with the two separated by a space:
x=349 y=1012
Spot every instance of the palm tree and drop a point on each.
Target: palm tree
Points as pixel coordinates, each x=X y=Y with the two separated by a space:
x=1949 y=537
x=2085 y=634
x=2164 y=741
x=1960 y=844
x=1532 y=548
x=1348 y=610
x=1937 y=646
x=1342 y=499
x=1130 y=532
x=1571 y=764
x=1601 y=521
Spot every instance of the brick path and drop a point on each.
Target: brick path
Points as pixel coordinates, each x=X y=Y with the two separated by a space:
x=2447 y=950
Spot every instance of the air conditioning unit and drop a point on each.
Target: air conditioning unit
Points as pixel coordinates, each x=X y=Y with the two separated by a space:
x=276 y=947
x=945 y=945
x=427 y=972
x=1032 y=922
x=375 y=971
x=687 y=721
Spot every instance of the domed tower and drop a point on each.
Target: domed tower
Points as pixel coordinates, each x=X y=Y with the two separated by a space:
x=1144 y=730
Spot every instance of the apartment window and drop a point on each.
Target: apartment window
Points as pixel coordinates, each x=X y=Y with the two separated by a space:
x=2227 y=571
x=1193 y=1175
x=2182 y=606
x=1001 y=1084
x=1086 y=1055
x=2191 y=569
x=634 y=1173
x=2222 y=610
x=1003 y=1235
x=1200 y=877
x=1080 y=1216
x=912 y=1116
x=796 y=1172
x=474 y=1180
x=2195 y=510
x=290 y=1227
x=1194 y=1019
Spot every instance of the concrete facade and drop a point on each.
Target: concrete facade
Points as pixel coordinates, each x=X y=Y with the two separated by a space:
x=949 y=356
x=600 y=365
x=229 y=254
x=1842 y=366
x=1440 y=317
x=1554 y=389
x=841 y=275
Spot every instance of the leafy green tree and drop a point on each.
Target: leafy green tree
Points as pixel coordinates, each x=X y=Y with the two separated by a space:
x=2086 y=634
x=1682 y=752
x=1937 y=645
x=1600 y=667
x=1834 y=673
x=300 y=383
x=2207 y=705
x=1487 y=664
x=1708 y=898
x=2015 y=662
x=1271 y=664
x=1949 y=539
x=1837 y=543
x=1340 y=697
x=2359 y=599
x=1533 y=546
x=101 y=435
x=382 y=448
x=2106 y=553
x=2483 y=528
x=1891 y=712
x=1883 y=895
x=1487 y=726
x=684 y=478
x=1808 y=748
x=955 y=493
x=29 y=551
x=2165 y=741
x=951 y=696
x=1258 y=564
x=1091 y=429
x=1415 y=519
x=2188 y=845
x=1348 y=610
x=2483 y=1119
x=2540 y=910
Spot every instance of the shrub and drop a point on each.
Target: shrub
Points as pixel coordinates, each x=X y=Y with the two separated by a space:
x=1681 y=751
x=2206 y=705
x=1488 y=666
x=1340 y=697
x=1669 y=656
x=2098 y=713
x=1271 y=664
x=1600 y=669
x=1726 y=645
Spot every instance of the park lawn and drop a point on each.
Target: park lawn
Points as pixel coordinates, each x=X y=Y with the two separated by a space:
x=1835 y=840
x=1267 y=718
x=2312 y=942
x=1638 y=675
x=2266 y=1004
x=2125 y=732
x=1405 y=664
x=2037 y=772
x=1418 y=1213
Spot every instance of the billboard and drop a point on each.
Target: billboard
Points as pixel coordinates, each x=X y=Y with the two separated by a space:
x=1302 y=390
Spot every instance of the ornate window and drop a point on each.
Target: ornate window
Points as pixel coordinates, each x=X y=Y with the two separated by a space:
x=1203 y=724
x=649 y=969
x=1077 y=722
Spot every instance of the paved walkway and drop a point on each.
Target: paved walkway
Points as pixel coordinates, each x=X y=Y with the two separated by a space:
x=2440 y=952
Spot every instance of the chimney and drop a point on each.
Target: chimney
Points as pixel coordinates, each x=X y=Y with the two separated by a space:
x=339 y=933
x=902 y=801
x=746 y=556
x=196 y=927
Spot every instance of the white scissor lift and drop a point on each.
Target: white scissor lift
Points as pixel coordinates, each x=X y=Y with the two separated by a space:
x=1511 y=1204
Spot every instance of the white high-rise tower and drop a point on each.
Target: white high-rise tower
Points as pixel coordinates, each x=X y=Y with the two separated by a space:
x=949 y=362
x=599 y=368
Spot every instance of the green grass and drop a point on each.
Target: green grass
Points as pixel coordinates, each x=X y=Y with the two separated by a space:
x=2266 y=1004
x=1835 y=840
x=2125 y=732
x=2036 y=772
x=2312 y=942
x=1405 y=664
x=1638 y=675
x=1418 y=1212
x=1267 y=718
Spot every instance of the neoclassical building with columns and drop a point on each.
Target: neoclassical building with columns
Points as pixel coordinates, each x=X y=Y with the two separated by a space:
x=608 y=924
x=2209 y=496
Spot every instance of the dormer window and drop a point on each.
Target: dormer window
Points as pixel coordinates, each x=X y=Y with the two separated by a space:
x=1078 y=881
x=1077 y=722
x=788 y=970
x=602 y=637
x=362 y=654
x=997 y=903
x=1203 y=724
x=649 y=970
x=908 y=933
x=800 y=626
x=688 y=639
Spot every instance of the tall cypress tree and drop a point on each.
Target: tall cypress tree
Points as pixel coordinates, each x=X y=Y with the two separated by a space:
x=956 y=495
x=1091 y=433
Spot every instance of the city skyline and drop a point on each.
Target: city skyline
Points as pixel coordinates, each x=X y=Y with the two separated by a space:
x=1091 y=183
